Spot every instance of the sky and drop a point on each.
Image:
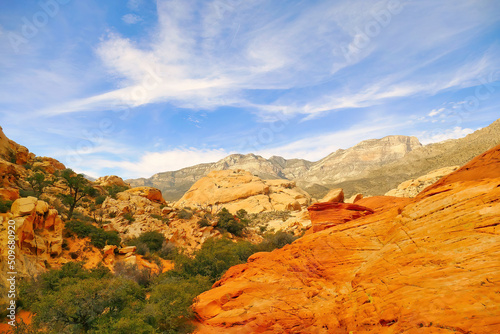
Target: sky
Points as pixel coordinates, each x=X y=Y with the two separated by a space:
x=137 y=87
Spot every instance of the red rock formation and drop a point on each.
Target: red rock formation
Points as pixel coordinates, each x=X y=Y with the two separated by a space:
x=325 y=215
x=430 y=265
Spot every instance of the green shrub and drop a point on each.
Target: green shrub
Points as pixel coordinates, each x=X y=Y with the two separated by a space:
x=76 y=300
x=100 y=199
x=114 y=190
x=227 y=222
x=98 y=237
x=275 y=240
x=129 y=216
x=183 y=214
x=203 y=222
x=5 y=205
x=171 y=300
x=26 y=193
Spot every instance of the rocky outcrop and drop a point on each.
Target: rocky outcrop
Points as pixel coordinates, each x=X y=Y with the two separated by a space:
x=326 y=215
x=428 y=264
x=110 y=181
x=238 y=189
x=334 y=195
x=411 y=188
x=152 y=194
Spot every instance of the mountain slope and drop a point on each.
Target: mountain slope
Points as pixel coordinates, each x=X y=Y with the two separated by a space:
x=423 y=160
x=336 y=167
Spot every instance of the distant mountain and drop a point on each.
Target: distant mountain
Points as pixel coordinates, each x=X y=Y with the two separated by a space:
x=371 y=167
x=337 y=167
x=422 y=160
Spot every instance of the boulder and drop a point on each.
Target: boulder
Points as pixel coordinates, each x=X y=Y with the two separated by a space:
x=150 y=193
x=354 y=198
x=23 y=206
x=334 y=195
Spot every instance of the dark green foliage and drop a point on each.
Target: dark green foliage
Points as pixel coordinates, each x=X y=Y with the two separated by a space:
x=275 y=240
x=214 y=258
x=228 y=222
x=79 y=187
x=129 y=216
x=142 y=277
x=5 y=205
x=153 y=240
x=170 y=302
x=184 y=214
x=26 y=193
x=38 y=183
x=98 y=237
x=11 y=156
x=100 y=199
x=114 y=190
x=203 y=222
x=75 y=300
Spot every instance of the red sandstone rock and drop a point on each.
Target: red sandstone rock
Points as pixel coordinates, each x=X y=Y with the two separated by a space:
x=428 y=266
x=325 y=215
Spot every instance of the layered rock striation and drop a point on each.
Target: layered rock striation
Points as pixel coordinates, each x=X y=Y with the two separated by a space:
x=422 y=265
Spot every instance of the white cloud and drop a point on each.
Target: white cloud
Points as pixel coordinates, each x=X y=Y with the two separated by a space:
x=318 y=147
x=131 y=18
x=154 y=162
x=435 y=112
x=438 y=135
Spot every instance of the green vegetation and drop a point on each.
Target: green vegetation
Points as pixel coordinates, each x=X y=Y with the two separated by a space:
x=114 y=190
x=129 y=216
x=98 y=237
x=76 y=300
x=38 y=183
x=79 y=187
x=184 y=214
x=232 y=224
x=100 y=199
x=152 y=240
x=5 y=205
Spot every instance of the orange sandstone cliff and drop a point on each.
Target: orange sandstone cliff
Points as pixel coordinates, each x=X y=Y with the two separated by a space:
x=425 y=265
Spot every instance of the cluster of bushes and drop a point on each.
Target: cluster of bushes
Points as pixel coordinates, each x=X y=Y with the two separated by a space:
x=76 y=300
x=5 y=205
x=98 y=237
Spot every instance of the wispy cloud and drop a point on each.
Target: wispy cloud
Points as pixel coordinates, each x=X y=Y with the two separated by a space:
x=131 y=18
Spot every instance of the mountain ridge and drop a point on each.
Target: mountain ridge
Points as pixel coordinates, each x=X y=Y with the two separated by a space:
x=372 y=167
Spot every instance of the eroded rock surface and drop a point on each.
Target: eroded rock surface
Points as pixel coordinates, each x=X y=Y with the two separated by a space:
x=423 y=265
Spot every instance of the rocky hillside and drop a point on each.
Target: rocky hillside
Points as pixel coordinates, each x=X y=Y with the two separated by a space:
x=239 y=189
x=337 y=167
x=383 y=265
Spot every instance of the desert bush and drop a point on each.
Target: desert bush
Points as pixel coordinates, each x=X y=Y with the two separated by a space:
x=203 y=222
x=129 y=216
x=100 y=199
x=153 y=240
x=275 y=240
x=184 y=214
x=114 y=190
x=5 y=205
x=98 y=237
x=227 y=222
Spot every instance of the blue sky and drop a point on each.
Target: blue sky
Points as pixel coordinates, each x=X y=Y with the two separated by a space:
x=138 y=87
